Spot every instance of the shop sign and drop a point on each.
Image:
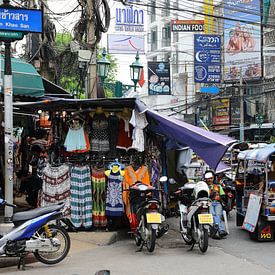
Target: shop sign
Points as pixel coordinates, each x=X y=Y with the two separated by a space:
x=221 y=111
x=17 y=19
x=235 y=111
x=207 y=58
x=159 y=78
x=129 y=18
x=187 y=25
x=122 y=44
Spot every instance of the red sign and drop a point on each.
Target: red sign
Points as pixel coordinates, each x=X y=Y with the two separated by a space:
x=221 y=111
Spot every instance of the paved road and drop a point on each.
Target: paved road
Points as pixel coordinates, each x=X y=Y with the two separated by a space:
x=235 y=255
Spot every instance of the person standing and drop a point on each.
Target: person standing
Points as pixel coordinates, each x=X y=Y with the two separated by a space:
x=216 y=193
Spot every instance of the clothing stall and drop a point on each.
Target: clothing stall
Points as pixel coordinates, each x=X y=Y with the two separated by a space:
x=93 y=150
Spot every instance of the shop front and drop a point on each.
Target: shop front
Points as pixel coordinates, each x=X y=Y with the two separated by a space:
x=87 y=151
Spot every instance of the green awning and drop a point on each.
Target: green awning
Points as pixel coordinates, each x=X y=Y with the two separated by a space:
x=26 y=80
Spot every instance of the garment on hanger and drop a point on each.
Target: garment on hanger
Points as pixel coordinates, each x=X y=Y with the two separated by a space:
x=114 y=202
x=131 y=177
x=81 y=196
x=139 y=122
x=56 y=186
x=99 y=133
x=124 y=139
x=77 y=140
x=113 y=131
x=99 y=192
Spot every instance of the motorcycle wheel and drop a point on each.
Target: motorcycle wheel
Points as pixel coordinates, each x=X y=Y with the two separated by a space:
x=54 y=257
x=187 y=239
x=203 y=241
x=151 y=240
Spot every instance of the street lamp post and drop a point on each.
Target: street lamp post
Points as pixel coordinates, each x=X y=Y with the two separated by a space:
x=135 y=71
x=103 y=65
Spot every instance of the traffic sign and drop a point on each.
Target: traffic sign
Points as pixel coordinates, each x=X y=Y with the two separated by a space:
x=11 y=35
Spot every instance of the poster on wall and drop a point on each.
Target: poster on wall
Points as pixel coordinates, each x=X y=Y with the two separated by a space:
x=221 y=111
x=159 y=78
x=207 y=58
x=242 y=40
x=121 y=44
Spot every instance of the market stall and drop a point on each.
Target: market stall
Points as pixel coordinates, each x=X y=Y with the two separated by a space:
x=95 y=147
x=255 y=192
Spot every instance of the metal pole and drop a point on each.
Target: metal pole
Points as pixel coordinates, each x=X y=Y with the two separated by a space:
x=241 y=110
x=8 y=132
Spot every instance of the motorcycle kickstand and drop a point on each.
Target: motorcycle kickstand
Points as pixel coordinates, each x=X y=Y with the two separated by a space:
x=141 y=247
x=22 y=262
x=192 y=246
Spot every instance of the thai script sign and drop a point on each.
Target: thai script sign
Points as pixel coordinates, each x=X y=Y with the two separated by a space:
x=159 y=78
x=207 y=58
x=242 y=41
x=187 y=25
x=17 y=19
x=129 y=18
x=221 y=111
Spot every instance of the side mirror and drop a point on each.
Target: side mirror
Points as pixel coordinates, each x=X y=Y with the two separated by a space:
x=163 y=179
x=172 y=181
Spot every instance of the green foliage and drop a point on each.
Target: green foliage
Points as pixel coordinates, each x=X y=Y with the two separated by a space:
x=272 y=139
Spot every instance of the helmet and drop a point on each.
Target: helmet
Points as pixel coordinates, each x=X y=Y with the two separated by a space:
x=201 y=190
x=209 y=175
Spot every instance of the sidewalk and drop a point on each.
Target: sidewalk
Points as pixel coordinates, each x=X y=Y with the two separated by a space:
x=80 y=241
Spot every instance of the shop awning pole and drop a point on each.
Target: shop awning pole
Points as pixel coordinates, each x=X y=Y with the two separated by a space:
x=8 y=132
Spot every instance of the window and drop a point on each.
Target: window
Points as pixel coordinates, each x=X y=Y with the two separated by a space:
x=166 y=35
x=153 y=11
x=154 y=39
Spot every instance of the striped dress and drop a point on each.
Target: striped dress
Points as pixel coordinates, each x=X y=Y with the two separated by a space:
x=114 y=202
x=81 y=197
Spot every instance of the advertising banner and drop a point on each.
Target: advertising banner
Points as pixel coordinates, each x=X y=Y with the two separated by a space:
x=221 y=111
x=122 y=44
x=159 y=78
x=187 y=25
x=207 y=58
x=209 y=18
x=242 y=40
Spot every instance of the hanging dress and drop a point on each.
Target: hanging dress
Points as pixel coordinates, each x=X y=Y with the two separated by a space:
x=77 y=141
x=114 y=202
x=81 y=196
x=56 y=186
x=124 y=139
x=139 y=122
x=131 y=177
x=99 y=133
x=99 y=192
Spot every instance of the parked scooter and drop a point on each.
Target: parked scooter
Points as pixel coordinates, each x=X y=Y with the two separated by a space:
x=230 y=194
x=149 y=218
x=50 y=244
x=196 y=219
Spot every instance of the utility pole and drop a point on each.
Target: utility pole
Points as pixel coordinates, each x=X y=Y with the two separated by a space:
x=92 y=81
x=241 y=110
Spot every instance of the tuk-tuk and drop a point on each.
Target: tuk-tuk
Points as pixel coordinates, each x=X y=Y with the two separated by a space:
x=255 y=192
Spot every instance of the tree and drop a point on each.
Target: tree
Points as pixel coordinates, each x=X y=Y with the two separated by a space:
x=71 y=75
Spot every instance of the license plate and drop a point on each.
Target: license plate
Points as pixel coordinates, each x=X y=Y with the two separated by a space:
x=153 y=217
x=205 y=218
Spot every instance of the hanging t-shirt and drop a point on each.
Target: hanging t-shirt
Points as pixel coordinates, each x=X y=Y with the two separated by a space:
x=139 y=121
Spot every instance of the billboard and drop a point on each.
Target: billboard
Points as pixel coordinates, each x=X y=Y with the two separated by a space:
x=121 y=44
x=207 y=58
x=159 y=78
x=221 y=111
x=242 y=40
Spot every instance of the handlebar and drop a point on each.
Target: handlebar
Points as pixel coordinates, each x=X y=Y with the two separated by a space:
x=3 y=202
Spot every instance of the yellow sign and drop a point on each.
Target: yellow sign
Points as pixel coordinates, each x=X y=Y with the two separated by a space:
x=208 y=18
x=205 y=218
x=153 y=217
x=266 y=236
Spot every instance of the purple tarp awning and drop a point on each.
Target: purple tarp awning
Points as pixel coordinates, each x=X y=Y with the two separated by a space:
x=208 y=145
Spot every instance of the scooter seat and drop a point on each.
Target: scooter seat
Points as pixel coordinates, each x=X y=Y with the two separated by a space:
x=19 y=217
